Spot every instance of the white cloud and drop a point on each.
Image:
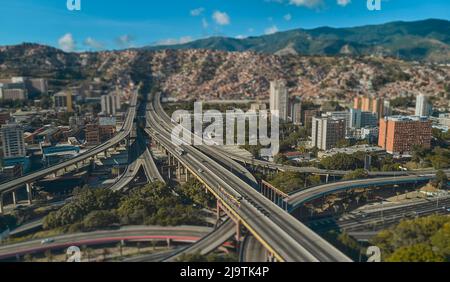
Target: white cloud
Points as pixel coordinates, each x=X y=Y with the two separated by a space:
x=124 y=41
x=174 y=41
x=343 y=3
x=221 y=18
x=240 y=36
x=287 y=17
x=271 y=30
x=94 y=44
x=306 y=3
x=67 y=43
x=197 y=12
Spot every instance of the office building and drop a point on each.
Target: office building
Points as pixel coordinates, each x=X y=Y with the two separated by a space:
x=360 y=119
x=92 y=134
x=279 y=99
x=399 y=134
x=308 y=115
x=370 y=104
x=64 y=101
x=296 y=111
x=13 y=143
x=5 y=117
x=327 y=132
x=340 y=115
x=423 y=106
x=12 y=93
x=110 y=104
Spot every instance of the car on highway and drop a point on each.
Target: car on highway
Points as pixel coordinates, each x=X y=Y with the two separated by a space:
x=47 y=241
x=200 y=170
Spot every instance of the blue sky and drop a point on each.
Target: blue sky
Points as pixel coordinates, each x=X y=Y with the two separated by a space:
x=112 y=24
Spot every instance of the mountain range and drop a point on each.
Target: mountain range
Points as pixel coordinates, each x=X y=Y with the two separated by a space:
x=426 y=40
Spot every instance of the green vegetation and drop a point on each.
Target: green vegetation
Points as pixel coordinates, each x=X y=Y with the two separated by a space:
x=291 y=181
x=439 y=157
x=424 y=239
x=342 y=161
x=7 y=221
x=345 y=243
x=102 y=208
x=193 y=191
x=357 y=174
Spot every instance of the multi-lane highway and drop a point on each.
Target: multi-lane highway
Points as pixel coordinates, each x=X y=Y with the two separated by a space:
x=123 y=133
x=298 y=198
x=370 y=221
x=283 y=235
x=188 y=234
x=208 y=243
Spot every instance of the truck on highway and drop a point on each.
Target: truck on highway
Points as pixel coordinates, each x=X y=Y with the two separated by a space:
x=180 y=151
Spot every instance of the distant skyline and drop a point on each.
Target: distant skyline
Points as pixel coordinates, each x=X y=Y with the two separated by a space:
x=114 y=24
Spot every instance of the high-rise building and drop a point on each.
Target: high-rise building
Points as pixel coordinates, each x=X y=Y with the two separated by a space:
x=360 y=119
x=399 y=134
x=423 y=106
x=368 y=104
x=13 y=92
x=366 y=101
x=279 y=99
x=378 y=107
x=13 y=143
x=37 y=86
x=327 y=132
x=296 y=111
x=308 y=115
x=110 y=104
x=387 y=108
x=340 y=115
x=64 y=101
x=92 y=133
x=5 y=117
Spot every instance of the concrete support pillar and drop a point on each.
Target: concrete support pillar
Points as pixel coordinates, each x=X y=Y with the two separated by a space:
x=187 y=175
x=178 y=170
x=238 y=232
x=328 y=178
x=30 y=193
x=14 y=196
x=218 y=211
x=1 y=203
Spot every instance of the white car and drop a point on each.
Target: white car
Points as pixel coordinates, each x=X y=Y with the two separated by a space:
x=47 y=241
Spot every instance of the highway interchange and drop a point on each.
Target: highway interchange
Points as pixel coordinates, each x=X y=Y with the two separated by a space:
x=280 y=233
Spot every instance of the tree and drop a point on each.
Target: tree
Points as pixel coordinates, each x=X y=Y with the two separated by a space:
x=341 y=161
x=441 y=241
x=357 y=174
x=415 y=253
x=100 y=219
x=441 y=180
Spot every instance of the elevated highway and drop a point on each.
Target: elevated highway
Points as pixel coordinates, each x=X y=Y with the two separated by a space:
x=187 y=234
x=296 y=199
x=281 y=234
x=28 y=180
x=208 y=243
